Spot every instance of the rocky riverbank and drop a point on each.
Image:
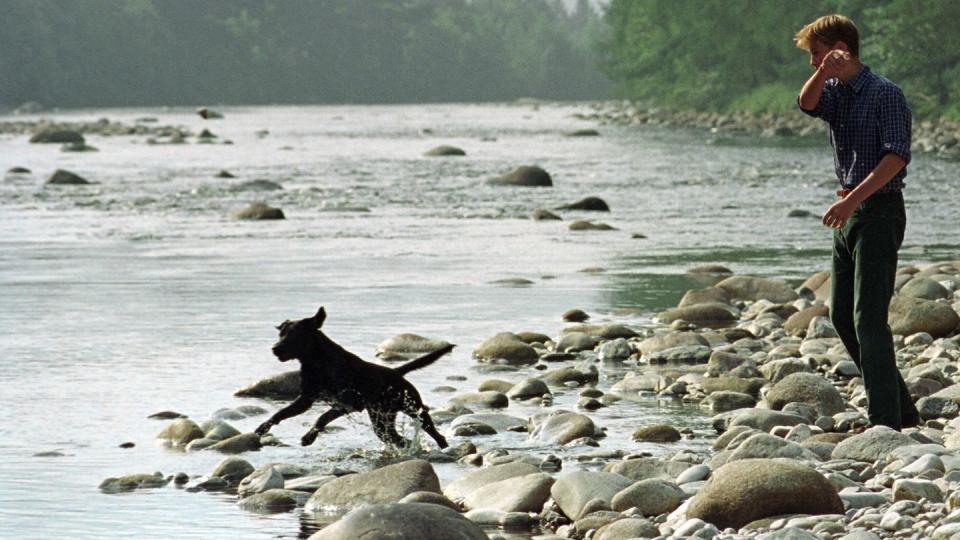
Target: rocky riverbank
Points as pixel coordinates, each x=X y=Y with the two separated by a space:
x=790 y=458
x=51 y=131
x=939 y=136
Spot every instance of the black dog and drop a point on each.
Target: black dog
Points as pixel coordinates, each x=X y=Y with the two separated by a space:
x=330 y=373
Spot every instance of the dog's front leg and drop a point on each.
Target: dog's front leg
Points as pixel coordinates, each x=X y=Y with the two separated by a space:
x=321 y=423
x=299 y=406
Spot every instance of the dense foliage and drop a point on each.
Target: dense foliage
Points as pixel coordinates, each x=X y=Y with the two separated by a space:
x=739 y=54
x=132 y=52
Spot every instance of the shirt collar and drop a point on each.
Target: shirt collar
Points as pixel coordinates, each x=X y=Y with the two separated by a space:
x=856 y=83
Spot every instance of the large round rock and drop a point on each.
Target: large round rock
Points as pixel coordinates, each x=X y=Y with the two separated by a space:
x=561 y=427
x=283 y=387
x=754 y=288
x=752 y=489
x=384 y=485
x=408 y=521
x=911 y=315
x=507 y=347
x=572 y=491
x=807 y=388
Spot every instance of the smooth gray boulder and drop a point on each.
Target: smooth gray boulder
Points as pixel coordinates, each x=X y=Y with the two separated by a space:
x=707 y=295
x=751 y=289
x=233 y=469
x=924 y=287
x=603 y=331
x=180 y=432
x=523 y=176
x=703 y=314
x=379 y=486
x=871 y=445
x=407 y=521
x=573 y=490
x=561 y=427
x=273 y=501
x=765 y=420
x=576 y=342
x=218 y=430
x=764 y=445
x=644 y=468
x=670 y=341
x=518 y=494
x=723 y=401
x=467 y=484
x=260 y=480
x=651 y=497
x=245 y=442
x=488 y=399
x=751 y=489
x=570 y=374
x=659 y=433
x=807 y=388
x=912 y=315
x=283 y=387
x=777 y=370
x=528 y=388
x=409 y=345
x=506 y=347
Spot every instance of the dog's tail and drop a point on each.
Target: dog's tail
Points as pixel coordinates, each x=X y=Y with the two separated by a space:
x=424 y=360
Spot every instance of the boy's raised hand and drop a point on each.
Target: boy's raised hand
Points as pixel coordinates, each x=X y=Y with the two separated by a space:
x=834 y=63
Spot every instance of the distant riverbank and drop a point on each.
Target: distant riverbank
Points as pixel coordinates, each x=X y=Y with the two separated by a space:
x=937 y=136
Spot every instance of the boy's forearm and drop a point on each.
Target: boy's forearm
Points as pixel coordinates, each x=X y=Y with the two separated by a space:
x=889 y=166
x=812 y=90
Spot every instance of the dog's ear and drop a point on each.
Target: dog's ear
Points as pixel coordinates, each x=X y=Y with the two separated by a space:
x=320 y=317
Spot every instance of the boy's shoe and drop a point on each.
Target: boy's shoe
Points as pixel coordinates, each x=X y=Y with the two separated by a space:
x=911 y=421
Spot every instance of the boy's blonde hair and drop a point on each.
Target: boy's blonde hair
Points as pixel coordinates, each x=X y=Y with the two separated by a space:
x=828 y=30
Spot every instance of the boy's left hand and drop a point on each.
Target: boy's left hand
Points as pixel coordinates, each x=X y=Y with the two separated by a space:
x=838 y=213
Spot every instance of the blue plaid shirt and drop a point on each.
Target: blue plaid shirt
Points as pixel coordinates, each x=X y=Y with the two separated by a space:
x=868 y=118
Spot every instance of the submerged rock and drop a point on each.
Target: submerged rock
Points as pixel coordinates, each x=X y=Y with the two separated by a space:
x=133 y=482
x=595 y=204
x=260 y=211
x=62 y=177
x=444 y=150
x=524 y=176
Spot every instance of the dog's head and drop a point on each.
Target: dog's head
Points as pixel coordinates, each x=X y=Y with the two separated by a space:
x=297 y=337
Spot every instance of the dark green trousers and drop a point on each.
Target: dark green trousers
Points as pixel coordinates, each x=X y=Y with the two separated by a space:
x=864 y=270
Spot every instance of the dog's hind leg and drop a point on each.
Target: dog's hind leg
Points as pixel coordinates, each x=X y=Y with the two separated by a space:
x=426 y=422
x=384 y=426
x=321 y=423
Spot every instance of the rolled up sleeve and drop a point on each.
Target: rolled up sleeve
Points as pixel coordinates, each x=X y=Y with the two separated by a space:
x=895 y=122
x=826 y=107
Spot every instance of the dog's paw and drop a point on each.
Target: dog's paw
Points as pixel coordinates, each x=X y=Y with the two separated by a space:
x=263 y=429
x=309 y=437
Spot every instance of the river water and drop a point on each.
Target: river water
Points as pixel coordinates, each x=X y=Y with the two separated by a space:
x=140 y=292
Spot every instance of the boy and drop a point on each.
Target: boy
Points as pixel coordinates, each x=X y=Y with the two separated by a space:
x=870 y=127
